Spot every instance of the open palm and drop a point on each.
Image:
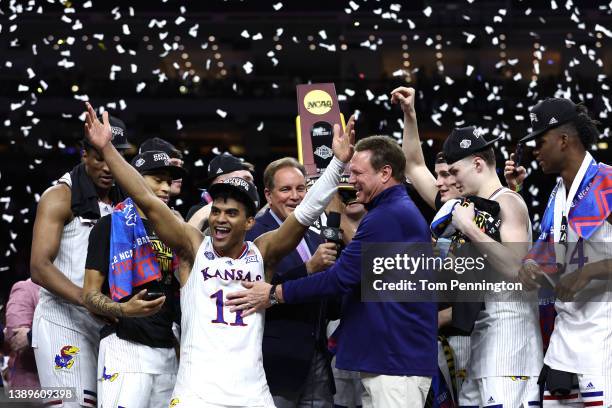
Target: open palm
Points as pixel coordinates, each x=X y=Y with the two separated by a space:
x=98 y=133
x=343 y=143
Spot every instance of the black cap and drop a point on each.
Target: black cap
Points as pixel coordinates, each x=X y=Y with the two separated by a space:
x=119 y=132
x=464 y=142
x=160 y=145
x=223 y=164
x=549 y=114
x=242 y=186
x=152 y=161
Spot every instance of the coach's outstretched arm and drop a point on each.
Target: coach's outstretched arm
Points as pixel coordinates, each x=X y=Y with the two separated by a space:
x=276 y=244
x=175 y=233
x=416 y=170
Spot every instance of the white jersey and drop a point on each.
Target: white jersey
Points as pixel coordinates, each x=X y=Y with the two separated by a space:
x=70 y=260
x=581 y=341
x=221 y=359
x=506 y=340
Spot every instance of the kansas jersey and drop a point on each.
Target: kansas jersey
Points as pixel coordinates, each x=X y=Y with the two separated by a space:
x=506 y=339
x=70 y=260
x=221 y=358
x=581 y=341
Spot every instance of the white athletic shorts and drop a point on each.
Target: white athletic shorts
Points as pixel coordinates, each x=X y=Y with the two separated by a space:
x=135 y=390
x=588 y=391
x=68 y=359
x=500 y=392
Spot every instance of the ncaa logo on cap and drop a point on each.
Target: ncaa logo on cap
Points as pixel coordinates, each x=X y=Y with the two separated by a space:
x=139 y=162
x=533 y=117
x=465 y=143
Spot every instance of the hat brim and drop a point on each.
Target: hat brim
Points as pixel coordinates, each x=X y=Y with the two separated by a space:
x=533 y=135
x=122 y=146
x=219 y=188
x=480 y=149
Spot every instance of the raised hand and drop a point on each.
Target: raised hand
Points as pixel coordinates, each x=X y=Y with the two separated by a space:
x=343 y=143
x=98 y=133
x=405 y=97
x=514 y=175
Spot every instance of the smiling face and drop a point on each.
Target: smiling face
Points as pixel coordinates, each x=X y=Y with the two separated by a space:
x=97 y=169
x=367 y=182
x=160 y=183
x=445 y=182
x=287 y=191
x=229 y=223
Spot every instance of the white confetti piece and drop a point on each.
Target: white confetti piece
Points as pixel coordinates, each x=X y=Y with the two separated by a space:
x=87 y=4
x=126 y=29
x=436 y=118
x=31 y=73
x=198 y=163
x=193 y=31
x=369 y=94
x=469 y=37
x=248 y=67
x=323 y=34
x=468 y=70
x=179 y=20
x=245 y=34
x=260 y=126
x=179 y=125
x=277 y=6
x=221 y=113
x=603 y=30
x=257 y=37
x=427 y=11
x=8 y=218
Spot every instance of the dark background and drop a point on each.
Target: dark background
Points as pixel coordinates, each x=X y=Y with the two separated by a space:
x=378 y=46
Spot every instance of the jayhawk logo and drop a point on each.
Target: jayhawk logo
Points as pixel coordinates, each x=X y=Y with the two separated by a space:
x=174 y=402
x=110 y=377
x=65 y=359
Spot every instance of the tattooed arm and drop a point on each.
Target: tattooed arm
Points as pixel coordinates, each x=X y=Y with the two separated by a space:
x=100 y=304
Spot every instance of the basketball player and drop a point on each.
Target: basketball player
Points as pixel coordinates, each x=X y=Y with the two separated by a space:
x=506 y=345
x=578 y=217
x=65 y=335
x=221 y=359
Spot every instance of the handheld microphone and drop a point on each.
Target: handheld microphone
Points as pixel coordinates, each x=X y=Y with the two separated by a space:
x=332 y=232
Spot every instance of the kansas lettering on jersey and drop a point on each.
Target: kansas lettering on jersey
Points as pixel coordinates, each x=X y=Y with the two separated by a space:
x=221 y=358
